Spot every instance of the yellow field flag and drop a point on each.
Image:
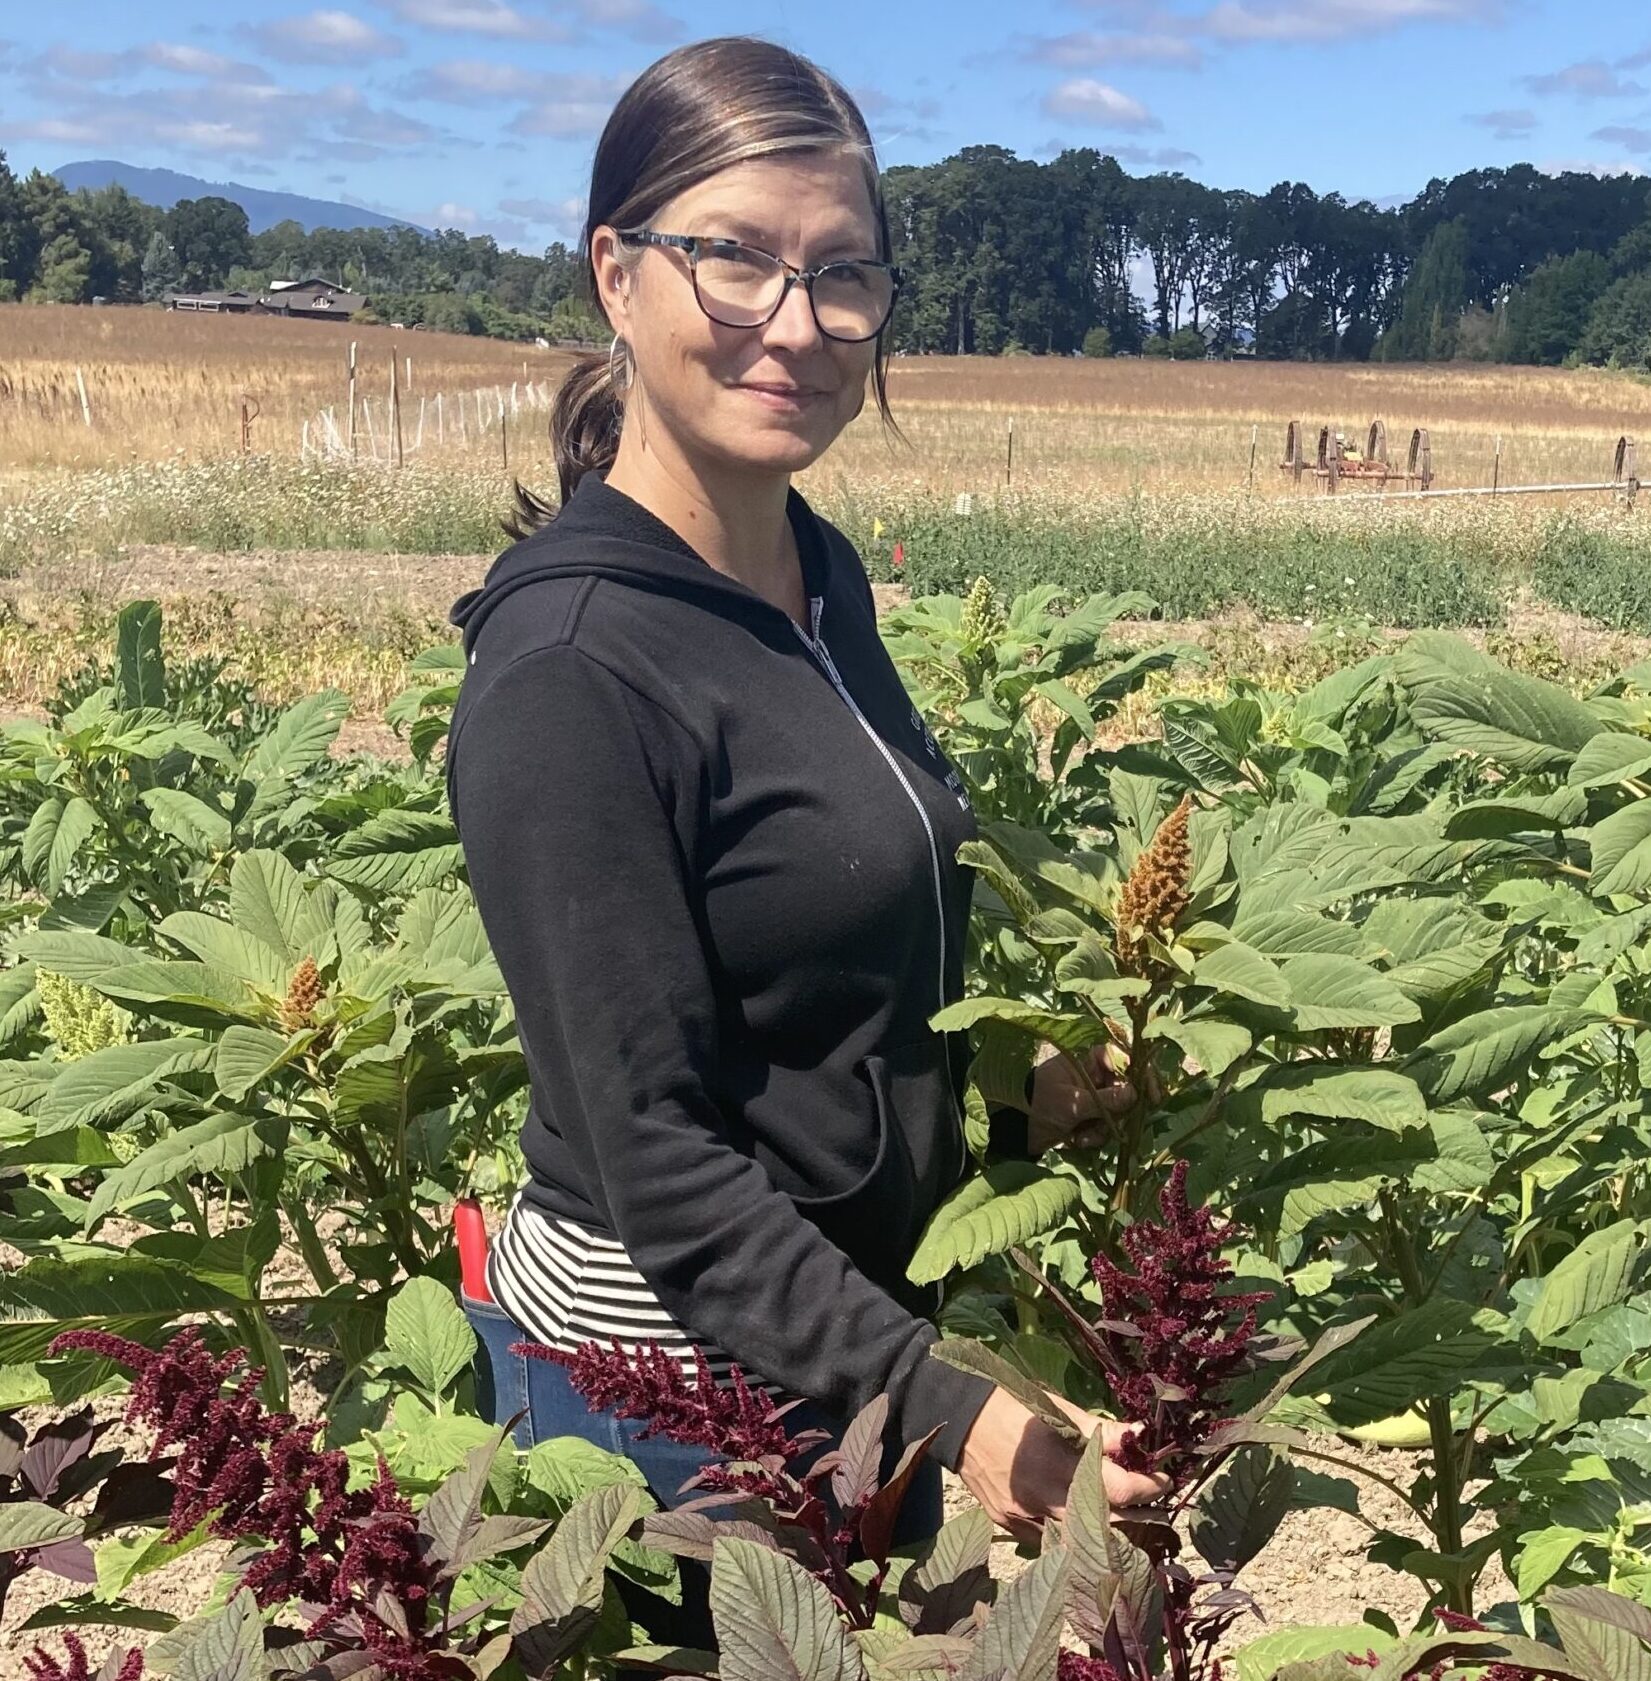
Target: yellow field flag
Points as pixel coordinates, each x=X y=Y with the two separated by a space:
x=876 y=529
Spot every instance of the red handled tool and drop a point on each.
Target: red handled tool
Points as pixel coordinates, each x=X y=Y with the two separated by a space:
x=472 y=1233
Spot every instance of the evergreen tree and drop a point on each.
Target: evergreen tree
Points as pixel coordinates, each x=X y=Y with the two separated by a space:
x=161 y=271
x=1435 y=294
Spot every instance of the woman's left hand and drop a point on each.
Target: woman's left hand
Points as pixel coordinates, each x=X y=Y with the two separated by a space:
x=1064 y=1110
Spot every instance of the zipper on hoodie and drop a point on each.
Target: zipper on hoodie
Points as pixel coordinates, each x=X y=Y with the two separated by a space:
x=816 y=645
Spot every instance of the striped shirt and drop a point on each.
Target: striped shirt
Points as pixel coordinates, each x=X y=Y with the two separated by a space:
x=567 y=1285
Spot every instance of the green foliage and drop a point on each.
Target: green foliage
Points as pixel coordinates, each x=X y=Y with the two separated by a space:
x=1396 y=1010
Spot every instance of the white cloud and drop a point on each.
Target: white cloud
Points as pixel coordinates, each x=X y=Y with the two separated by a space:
x=476 y=17
x=1085 y=49
x=1331 y=20
x=1587 y=166
x=323 y=37
x=226 y=120
x=1155 y=157
x=1505 y=125
x=563 y=119
x=640 y=19
x=1085 y=100
x=1630 y=139
x=1592 y=78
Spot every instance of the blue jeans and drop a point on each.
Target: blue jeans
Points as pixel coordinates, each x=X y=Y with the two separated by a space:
x=541 y=1391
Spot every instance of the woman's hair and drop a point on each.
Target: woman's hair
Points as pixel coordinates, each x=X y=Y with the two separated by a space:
x=688 y=116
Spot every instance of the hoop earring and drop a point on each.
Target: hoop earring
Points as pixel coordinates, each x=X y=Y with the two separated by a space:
x=613 y=378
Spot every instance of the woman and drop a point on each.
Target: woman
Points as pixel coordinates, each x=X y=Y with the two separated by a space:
x=712 y=842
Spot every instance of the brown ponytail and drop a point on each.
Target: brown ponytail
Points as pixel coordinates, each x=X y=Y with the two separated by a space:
x=584 y=430
x=694 y=112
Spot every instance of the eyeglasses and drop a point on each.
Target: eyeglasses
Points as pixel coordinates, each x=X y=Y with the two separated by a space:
x=739 y=286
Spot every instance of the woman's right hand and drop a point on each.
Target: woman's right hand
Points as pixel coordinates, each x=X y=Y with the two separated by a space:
x=1021 y=1471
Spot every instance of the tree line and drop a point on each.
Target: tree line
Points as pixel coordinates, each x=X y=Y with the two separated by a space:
x=1002 y=254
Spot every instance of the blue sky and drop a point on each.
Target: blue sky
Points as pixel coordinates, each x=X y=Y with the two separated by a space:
x=482 y=114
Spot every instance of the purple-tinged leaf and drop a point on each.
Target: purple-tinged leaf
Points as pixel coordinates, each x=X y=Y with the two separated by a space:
x=55 y=1447
x=136 y=1492
x=878 y=1520
x=72 y=1560
x=855 y=1464
x=950 y=1576
x=774 y=1622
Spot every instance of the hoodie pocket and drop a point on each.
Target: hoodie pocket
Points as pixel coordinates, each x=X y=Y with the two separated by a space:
x=878 y=1220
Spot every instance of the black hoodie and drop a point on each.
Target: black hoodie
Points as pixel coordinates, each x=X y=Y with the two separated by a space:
x=716 y=862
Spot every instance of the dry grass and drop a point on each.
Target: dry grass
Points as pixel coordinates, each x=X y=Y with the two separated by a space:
x=160 y=383
x=1082 y=427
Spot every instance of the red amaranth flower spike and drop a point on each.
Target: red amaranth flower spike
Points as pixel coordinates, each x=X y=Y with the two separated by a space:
x=251 y=1474
x=649 y=1384
x=43 y=1666
x=1171 y=1344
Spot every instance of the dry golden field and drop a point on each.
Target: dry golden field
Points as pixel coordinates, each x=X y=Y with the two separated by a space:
x=159 y=384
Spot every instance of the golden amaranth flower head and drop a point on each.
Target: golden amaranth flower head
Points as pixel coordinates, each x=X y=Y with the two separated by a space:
x=79 y=1019
x=1154 y=895
x=304 y=992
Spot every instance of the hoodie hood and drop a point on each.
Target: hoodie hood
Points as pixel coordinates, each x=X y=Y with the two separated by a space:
x=602 y=532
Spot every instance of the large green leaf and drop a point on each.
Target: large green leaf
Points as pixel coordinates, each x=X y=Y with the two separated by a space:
x=111 y=1085
x=55 y=835
x=268 y=899
x=1621 y=851
x=1327 y=991
x=1381 y=1097
x=229 y=949
x=1512 y=814
x=426 y=1333
x=80 y=956
x=27 y=1523
x=247 y=1056
x=220 y=1144
x=191 y=822
x=1338 y=1173
x=300 y=738
x=132 y=1295
x=1241 y=972
x=1007 y=1205
x=139 y=665
x=1072 y=1033
x=1595 y=1275
x=1482 y=1053
x=397 y=851
x=1422 y=1352
x=1262 y=1659
x=1521 y=723
x=193 y=993
x=1611 y=756
x=774 y=1622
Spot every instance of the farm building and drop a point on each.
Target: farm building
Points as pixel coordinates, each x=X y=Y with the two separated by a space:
x=318 y=299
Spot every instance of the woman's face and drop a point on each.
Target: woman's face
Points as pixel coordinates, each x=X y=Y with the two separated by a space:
x=769 y=398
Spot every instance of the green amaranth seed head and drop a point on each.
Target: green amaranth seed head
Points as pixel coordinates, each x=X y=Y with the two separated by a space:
x=79 y=1019
x=982 y=620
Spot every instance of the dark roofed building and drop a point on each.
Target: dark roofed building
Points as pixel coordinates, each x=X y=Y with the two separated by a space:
x=317 y=299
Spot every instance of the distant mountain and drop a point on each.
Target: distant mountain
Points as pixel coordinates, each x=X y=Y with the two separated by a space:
x=263 y=207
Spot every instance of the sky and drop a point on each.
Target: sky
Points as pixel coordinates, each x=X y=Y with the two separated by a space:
x=483 y=114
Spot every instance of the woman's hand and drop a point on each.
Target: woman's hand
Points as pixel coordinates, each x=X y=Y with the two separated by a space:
x=1020 y=1470
x=1065 y=1112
